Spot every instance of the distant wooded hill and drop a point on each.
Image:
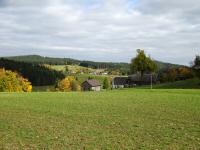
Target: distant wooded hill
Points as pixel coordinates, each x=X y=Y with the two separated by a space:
x=124 y=67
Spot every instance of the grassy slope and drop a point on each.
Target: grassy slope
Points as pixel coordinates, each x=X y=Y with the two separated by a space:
x=126 y=119
x=70 y=67
x=81 y=77
x=47 y=60
x=185 y=84
x=84 y=77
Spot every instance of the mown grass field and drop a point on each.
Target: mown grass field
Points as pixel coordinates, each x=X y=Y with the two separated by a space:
x=121 y=119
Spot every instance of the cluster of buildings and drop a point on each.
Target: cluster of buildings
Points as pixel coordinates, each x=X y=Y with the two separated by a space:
x=122 y=82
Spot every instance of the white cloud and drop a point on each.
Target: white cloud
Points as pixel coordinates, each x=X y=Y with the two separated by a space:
x=101 y=30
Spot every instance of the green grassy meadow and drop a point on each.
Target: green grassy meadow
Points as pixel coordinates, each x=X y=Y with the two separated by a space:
x=119 y=119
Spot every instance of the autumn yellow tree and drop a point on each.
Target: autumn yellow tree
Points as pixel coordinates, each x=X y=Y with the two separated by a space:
x=26 y=85
x=68 y=84
x=64 y=85
x=13 y=82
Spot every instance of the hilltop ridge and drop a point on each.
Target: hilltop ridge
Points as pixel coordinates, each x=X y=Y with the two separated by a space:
x=91 y=64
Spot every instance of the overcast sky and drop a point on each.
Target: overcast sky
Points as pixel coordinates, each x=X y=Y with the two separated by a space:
x=101 y=30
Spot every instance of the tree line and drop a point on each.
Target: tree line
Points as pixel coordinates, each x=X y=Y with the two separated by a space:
x=144 y=64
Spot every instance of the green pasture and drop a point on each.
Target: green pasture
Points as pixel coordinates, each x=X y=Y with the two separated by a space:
x=119 y=119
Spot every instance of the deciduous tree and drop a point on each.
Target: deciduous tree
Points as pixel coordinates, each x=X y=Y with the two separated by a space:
x=106 y=84
x=64 y=85
x=196 y=66
x=68 y=84
x=141 y=63
x=13 y=82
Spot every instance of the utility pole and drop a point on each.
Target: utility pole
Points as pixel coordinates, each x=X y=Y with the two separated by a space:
x=151 y=81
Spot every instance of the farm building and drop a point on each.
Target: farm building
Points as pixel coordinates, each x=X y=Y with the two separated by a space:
x=134 y=80
x=91 y=85
x=145 y=80
x=120 y=82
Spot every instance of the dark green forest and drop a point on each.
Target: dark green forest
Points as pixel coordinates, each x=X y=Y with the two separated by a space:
x=38 y=75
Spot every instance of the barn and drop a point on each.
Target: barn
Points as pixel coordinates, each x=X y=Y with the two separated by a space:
x=134 y=80
x=145 y=80
x=91 y=85
x=119 y=82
